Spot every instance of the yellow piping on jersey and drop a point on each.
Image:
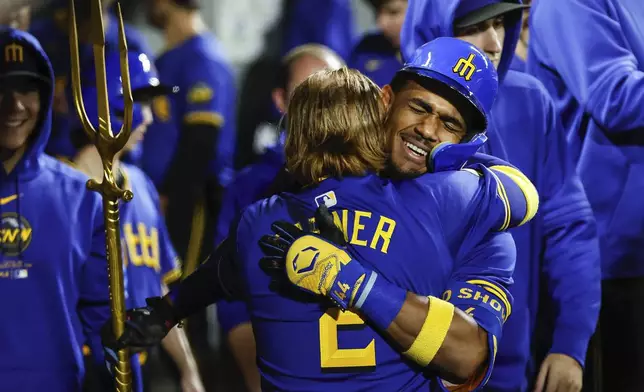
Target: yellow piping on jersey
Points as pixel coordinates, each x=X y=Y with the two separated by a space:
x=206 y=118
x=529 y=191
x=497 y=291
x=500 y=189
x=196 y=238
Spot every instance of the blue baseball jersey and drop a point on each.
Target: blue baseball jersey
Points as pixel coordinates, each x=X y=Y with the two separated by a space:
x=149 y=256
x=53 y=267
x=206 y=96
x=423 y=235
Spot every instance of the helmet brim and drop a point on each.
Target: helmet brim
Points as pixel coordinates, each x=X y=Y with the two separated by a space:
x=148 y=93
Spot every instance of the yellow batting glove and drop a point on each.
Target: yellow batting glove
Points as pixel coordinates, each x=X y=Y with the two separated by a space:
x=319 y=267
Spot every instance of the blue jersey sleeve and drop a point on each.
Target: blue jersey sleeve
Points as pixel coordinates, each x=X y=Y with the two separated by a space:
x=503 y=198
x=597 y=65
x=206 y=93
x=479 y=287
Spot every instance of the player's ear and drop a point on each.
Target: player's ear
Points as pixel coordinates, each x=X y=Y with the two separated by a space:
x=279 y=99
x=387 y=96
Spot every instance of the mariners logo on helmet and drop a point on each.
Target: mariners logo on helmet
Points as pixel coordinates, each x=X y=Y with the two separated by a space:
x=465 y=69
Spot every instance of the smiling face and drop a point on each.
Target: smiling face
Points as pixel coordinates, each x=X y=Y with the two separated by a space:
x=19 y=113
x=418 y=120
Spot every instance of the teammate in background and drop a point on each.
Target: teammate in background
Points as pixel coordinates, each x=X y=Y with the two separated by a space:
x=188 y=152
x=327 y=22
x=597 y=82
x=377 y=54
x=257 y=182
x=53 y=274
x=560 y=247
x=52 y=33
x=151 y=261
x=191 y=143
x=345 y=91
x=521 y=51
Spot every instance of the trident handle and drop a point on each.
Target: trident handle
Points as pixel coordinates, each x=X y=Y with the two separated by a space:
x=108 y=146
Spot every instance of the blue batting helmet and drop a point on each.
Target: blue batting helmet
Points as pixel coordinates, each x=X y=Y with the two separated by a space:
x=143 y=79
x=463 y=68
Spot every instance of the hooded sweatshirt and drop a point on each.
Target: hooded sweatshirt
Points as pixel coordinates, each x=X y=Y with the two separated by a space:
x=596 y=77
x=53 y=268
x=560 y=245
x=52 y=33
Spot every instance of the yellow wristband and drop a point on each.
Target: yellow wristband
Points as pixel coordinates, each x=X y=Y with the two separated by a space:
x=433 y=332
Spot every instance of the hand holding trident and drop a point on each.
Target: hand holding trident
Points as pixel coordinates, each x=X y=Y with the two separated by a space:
x=108 y=146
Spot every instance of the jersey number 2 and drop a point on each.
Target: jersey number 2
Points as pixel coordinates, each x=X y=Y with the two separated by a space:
x=332 y=357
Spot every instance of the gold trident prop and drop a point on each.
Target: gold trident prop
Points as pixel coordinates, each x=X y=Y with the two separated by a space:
x=108 y=146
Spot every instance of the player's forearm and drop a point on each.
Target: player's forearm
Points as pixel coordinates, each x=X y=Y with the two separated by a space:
x=177 y=346
x=464 y=347
x=427 y=330
x=214 y=280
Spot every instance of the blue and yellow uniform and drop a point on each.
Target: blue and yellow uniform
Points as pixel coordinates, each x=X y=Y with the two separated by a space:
x=150 y=259
x=424 y=235
x=53 y=268
x=188 y=151
x=559 y=247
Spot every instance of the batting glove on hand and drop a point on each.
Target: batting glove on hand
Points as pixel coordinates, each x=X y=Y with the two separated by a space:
x=316 y=264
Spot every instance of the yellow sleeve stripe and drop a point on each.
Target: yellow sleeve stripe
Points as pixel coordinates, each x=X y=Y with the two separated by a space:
x=496 y=290
x=433 y=333
x=526 y=187
x=207 y=118
x=500 y=190
x=171 y=276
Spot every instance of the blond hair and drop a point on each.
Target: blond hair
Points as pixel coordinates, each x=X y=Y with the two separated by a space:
x=334 y=127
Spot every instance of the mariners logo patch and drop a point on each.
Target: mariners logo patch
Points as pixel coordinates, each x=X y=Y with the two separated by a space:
x=15 y=234
x=200 y=93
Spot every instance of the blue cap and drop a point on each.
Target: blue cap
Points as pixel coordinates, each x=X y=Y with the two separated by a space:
x=462 y=67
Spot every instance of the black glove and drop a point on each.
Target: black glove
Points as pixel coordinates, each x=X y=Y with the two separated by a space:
x=276 y=246
x=144 y=328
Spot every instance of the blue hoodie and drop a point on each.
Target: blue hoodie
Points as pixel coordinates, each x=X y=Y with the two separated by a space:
x=53 y=268
x=560 y=245
x=596 y=78
x=52 y=33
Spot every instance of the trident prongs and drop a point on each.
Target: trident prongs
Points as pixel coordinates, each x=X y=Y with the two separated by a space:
x=108 y=146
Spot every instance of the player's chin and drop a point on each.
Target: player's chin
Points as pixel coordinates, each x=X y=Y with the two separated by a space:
x=403 y=168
